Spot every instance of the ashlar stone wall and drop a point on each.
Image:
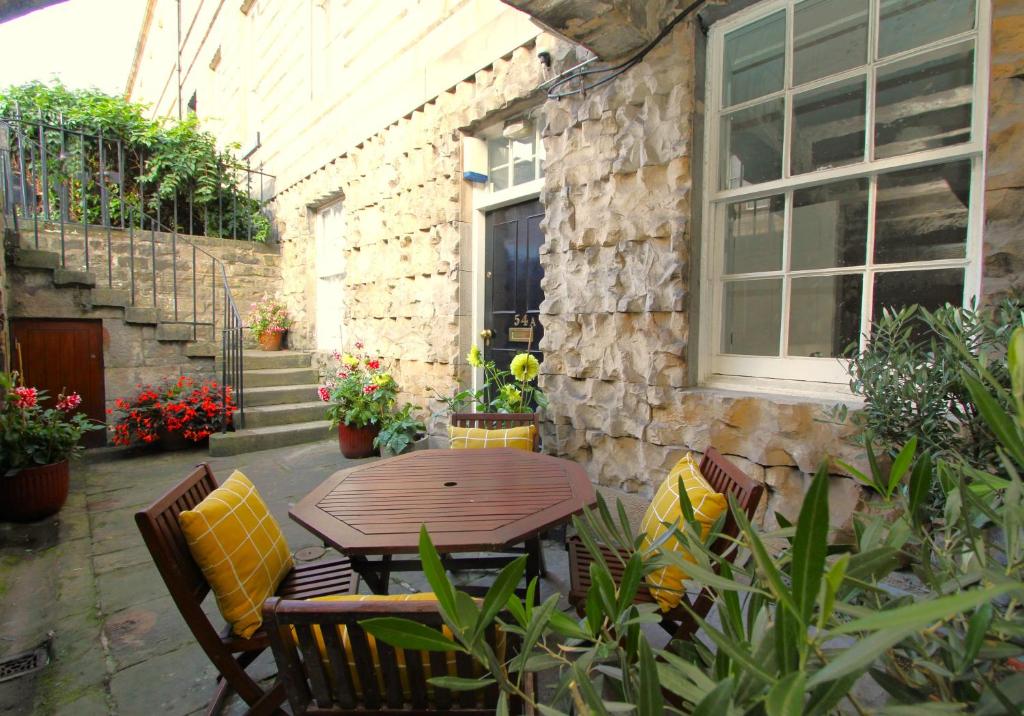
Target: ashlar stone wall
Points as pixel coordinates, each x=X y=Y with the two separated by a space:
x=407 y=231
x=619 y=197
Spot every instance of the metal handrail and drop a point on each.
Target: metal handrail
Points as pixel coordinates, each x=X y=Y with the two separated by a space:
x=15 y=191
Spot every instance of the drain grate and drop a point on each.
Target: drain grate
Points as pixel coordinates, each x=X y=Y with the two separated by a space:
x=22 y=664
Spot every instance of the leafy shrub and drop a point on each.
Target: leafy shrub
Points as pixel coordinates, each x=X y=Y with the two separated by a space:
x=911 y=376
x=164 y=160
x=799 y=629
x=176 y=406
x=361 y=392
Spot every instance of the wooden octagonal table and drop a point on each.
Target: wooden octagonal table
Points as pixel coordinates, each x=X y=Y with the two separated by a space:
x=487 y=500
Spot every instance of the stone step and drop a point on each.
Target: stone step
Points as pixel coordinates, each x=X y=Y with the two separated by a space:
x=252 y=439
x=66 y=277
x=278 y=395
x=277 y=376
x=145 y=316
x=289 y=414
x=110 y=297
x=37 y=259
x=174 y=332
x=258 y=360
x=202 y=349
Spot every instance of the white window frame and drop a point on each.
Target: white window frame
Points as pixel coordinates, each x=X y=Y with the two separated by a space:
x=821 y=376
x=330 y=271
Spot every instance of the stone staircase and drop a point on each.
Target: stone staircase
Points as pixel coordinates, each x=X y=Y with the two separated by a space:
x=92 y=296
x=281 y=405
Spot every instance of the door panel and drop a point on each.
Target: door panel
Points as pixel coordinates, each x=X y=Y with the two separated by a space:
x=64 y=356
x=512 y=288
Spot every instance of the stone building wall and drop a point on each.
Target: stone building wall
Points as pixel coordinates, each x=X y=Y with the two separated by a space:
x=1004 y=180
x=619 y=197
x=407 y=230
x=4 y=338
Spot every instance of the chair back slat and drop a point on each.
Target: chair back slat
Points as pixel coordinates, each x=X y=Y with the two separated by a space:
x=341 y=677
x=393 y=692
x=305 y=679
x=363 y=657
x=166 y=542
x=442 y=696
x=314 y=665
x=498 y=421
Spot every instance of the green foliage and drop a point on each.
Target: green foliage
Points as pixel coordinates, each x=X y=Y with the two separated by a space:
x=361 y=393
x=399 y=430
x=503 y=391
x=33 y=435
x=268 y=314
x=796 y=629
x=911 y=376
x=164 y=160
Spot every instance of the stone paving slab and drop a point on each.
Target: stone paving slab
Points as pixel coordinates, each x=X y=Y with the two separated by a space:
x=119 y=645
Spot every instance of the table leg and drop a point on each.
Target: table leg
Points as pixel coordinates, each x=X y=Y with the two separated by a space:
x=377 y=575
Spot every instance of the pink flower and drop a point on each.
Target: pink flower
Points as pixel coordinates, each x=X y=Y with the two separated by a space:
x=26 y=397
x=343 y=374
x=370 y=388
x=336 y=355
x=359 y=345
x=69 y=402
x=325 y=395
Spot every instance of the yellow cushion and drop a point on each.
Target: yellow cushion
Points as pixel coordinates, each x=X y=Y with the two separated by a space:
x=666 y=584
x=472 y=438
x=239 y=547
x=400 y=653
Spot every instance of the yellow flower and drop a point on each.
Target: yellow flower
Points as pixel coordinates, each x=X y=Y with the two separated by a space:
x=511 y=394
x=350 y=360
x=473 y=357
x=524 y=367
x=382 y=379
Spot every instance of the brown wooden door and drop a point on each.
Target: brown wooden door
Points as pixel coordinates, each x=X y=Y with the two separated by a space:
x=63 y=356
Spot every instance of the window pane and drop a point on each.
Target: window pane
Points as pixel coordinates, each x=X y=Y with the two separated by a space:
x=911 y=23
x=752 y=145
x=830 y=225
x=499 y=178
x=829 y=36
x=824 y=316
x=523 y=149
x=752 y=317
x=930 y=289
x=497 y=152
x=753 y=235
x=922 y=213
x=925 y=102
x=828 y=126
x=754 y=59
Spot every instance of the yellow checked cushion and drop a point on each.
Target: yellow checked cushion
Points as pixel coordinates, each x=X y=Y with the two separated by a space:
x=400 y=653
x=239 y=547
x=666 y=584
x=471 y=438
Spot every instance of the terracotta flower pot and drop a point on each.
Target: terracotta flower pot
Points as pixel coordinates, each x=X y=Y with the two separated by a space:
x=271 y=340
x=357 y=442
x=33 y=493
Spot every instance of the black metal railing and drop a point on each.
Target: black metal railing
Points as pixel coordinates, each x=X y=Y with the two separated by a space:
x=128 y=249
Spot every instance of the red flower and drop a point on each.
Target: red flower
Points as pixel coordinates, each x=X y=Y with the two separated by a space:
x=373 y=364
x=325 y=395
x=67 y=403
x=25 y=398
x=370 y=388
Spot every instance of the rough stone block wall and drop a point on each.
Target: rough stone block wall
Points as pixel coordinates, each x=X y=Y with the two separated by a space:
x=405 y=206
x=4 y=339
x=1004 y=180
x=618 y=198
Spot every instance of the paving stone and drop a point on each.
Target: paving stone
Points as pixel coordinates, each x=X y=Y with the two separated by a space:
x=178 y=682
x=134 y=556
x=122 y=588
x=145 y=630
x=92 y=701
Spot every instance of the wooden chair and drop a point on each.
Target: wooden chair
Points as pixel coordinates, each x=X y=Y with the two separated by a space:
x=725 y=477
x=162 y=534
x=316 y=687
x=498 y=421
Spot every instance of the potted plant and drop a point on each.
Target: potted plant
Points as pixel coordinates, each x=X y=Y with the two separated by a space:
x=402 y=431
x=361 y=396
x=269 y=322
x=173 y=414
x=35 y=445
x=503 y=391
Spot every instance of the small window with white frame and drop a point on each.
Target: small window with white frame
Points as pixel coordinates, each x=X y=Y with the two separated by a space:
x=515 y=155
x=844 y=155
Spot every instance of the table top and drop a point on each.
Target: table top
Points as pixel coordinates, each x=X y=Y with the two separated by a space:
x=470 y=500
